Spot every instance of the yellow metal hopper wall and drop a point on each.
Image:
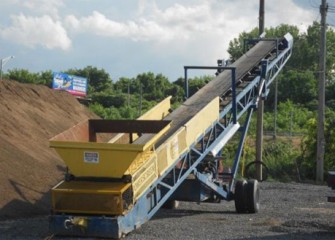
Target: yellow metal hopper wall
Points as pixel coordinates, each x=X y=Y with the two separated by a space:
x=101 y=159
x=97 y=159
x=142 y=162
x=174 y=147
x=158 y=112
x=108 y=198
x=92 y=197
x=109 y=160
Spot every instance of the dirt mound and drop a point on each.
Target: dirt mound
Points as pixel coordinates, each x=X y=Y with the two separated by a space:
x=29 y=116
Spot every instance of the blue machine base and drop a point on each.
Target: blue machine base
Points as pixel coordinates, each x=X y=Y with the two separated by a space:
x=105 y=227
x=191 y=190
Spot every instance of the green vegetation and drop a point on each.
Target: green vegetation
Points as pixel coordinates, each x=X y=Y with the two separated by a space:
x=288 y=157
x=295 y=157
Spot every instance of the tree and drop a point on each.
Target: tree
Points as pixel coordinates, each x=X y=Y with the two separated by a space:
x=176 y=92
x=45 y=78
x=298 y=87
x=109 y=99
x=194 y=84
x=307 y=159
x=305 y=49
x=105 y=113
x=123 y=84
x=290 y=118
x=153 y=87
x=330 y=93
x=236 y=46
x=23 y=76
x=98 y=79
x=297 y=91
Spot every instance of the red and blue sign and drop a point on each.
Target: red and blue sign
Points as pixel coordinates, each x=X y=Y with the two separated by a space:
x=73 y=84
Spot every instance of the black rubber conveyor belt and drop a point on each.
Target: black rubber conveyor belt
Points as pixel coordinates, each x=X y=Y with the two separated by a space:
x=217 y=87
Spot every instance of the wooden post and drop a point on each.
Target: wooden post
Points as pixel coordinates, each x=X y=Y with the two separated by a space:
x=260 y=109
x=321 y=108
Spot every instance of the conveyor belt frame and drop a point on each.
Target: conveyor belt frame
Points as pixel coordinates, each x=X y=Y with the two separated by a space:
x=160 y=191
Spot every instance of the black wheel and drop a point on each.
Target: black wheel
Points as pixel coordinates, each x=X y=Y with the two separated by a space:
x=240 y=196
x=252 y=196
x=171 y=204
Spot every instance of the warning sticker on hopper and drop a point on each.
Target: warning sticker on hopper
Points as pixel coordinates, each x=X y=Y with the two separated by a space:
x=91 y=157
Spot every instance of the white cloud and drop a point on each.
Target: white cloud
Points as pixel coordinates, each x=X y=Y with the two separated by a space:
x=166 y=33
x=198 y=29
x=179 y=14
x=34 y=31
x=45 y=7
x=100 y=25
x=174 y=23
x=287 y=12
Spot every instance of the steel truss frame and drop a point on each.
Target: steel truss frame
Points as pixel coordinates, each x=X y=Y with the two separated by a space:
x=210 y=143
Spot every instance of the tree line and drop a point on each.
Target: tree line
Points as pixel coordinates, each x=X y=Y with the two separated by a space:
x=128 y=98
x=298 y=100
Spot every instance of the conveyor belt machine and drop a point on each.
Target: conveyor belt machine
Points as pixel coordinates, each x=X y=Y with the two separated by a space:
x=121 y=172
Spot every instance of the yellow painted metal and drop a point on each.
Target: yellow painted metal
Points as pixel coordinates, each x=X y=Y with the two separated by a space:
x=182 y=139
x=92 y=159
x=174 y=147
x=102 y=159
x=202 y=121
x=112 y=198
x=169 y=152
x=77 y=221
x=144 y=175
x=158 y=112
x=141 y=161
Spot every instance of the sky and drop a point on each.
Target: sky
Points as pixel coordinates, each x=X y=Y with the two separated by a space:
x=127 y=38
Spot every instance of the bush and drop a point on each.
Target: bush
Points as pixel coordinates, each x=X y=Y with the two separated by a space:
x=280 y=158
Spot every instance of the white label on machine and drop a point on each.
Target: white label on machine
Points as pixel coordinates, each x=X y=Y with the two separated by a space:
x=91 y=157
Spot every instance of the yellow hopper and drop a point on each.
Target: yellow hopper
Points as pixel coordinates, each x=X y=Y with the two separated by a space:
x=86 y=154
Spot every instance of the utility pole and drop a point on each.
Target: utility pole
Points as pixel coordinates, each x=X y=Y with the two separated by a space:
x=260 y=109
x=140 y=103
x=321 y=109
x=275 y=109
x=261 y=16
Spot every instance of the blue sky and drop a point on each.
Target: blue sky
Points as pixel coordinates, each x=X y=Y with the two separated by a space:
x=127 y=38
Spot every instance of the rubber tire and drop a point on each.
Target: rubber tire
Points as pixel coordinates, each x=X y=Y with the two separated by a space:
x=252 y=196
x=240 y=196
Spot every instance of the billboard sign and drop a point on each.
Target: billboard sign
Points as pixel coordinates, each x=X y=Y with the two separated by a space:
x=73 y=84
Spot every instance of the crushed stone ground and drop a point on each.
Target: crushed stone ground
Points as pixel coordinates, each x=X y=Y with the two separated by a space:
x=288 y=211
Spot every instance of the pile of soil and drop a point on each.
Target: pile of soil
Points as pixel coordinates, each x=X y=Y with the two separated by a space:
x=29 y=116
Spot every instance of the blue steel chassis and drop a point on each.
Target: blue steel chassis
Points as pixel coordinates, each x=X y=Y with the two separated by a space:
x=211 y=142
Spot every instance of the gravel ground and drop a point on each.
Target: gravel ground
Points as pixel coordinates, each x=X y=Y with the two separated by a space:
x=288 y=211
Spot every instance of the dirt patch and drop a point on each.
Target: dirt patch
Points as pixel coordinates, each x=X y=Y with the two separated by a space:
x=29 y=116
